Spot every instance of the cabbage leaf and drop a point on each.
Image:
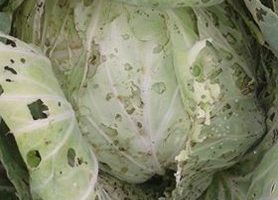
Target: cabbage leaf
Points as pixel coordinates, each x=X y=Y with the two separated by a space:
x=60 y=164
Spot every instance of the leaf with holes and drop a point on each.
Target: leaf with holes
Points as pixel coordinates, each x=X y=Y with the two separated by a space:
x=44 y=125
x=266 y=16
x=218 y=84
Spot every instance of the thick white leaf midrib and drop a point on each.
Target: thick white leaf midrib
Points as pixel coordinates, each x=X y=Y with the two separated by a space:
x=53 y=153
x=39 y=124
x=148 y=60
x=166 y=117
x=23 y=52
x=36 y=83
x=34 y=97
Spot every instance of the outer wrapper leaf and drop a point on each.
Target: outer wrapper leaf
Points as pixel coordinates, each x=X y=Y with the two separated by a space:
x=267 y=20
x=264 y=178
x=226 y=118
x=234 y=183
x=60 y=164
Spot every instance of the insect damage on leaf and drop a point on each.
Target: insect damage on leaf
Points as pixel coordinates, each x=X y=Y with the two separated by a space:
x=38 y=110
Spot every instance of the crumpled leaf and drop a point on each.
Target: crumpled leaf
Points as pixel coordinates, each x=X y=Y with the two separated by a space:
x=264 y=179
x=60 y=164
x=233 y=183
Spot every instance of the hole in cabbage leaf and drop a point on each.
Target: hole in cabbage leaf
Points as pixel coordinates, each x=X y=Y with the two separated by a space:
x=33 y=158
x=1 y=91
x=12 y=70
x=273 y=187
x=11 y=42
x=8 y=80
x=260 y=14
x=71 y=157
x=271 y=116
x=139 y=124
x=22 y=60
x=105 y=166
x=38 y=110
x=81 y=161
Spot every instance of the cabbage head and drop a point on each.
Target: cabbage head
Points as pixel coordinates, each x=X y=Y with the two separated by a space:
x=153 y=87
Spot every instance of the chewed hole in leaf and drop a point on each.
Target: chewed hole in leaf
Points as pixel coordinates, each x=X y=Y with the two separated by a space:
x=273 y=188
x=33 y=158
x=112 y=132
x=38 y=110
x=12 y=70
x=22 y=60
x=106 y=167
x=71 y=157
x=81 y=161
x=159 y=87
x=260 y=13
x=1 y=90
x=11 y=43
x=8 y=80
x=118 y=117
x=272 y=116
